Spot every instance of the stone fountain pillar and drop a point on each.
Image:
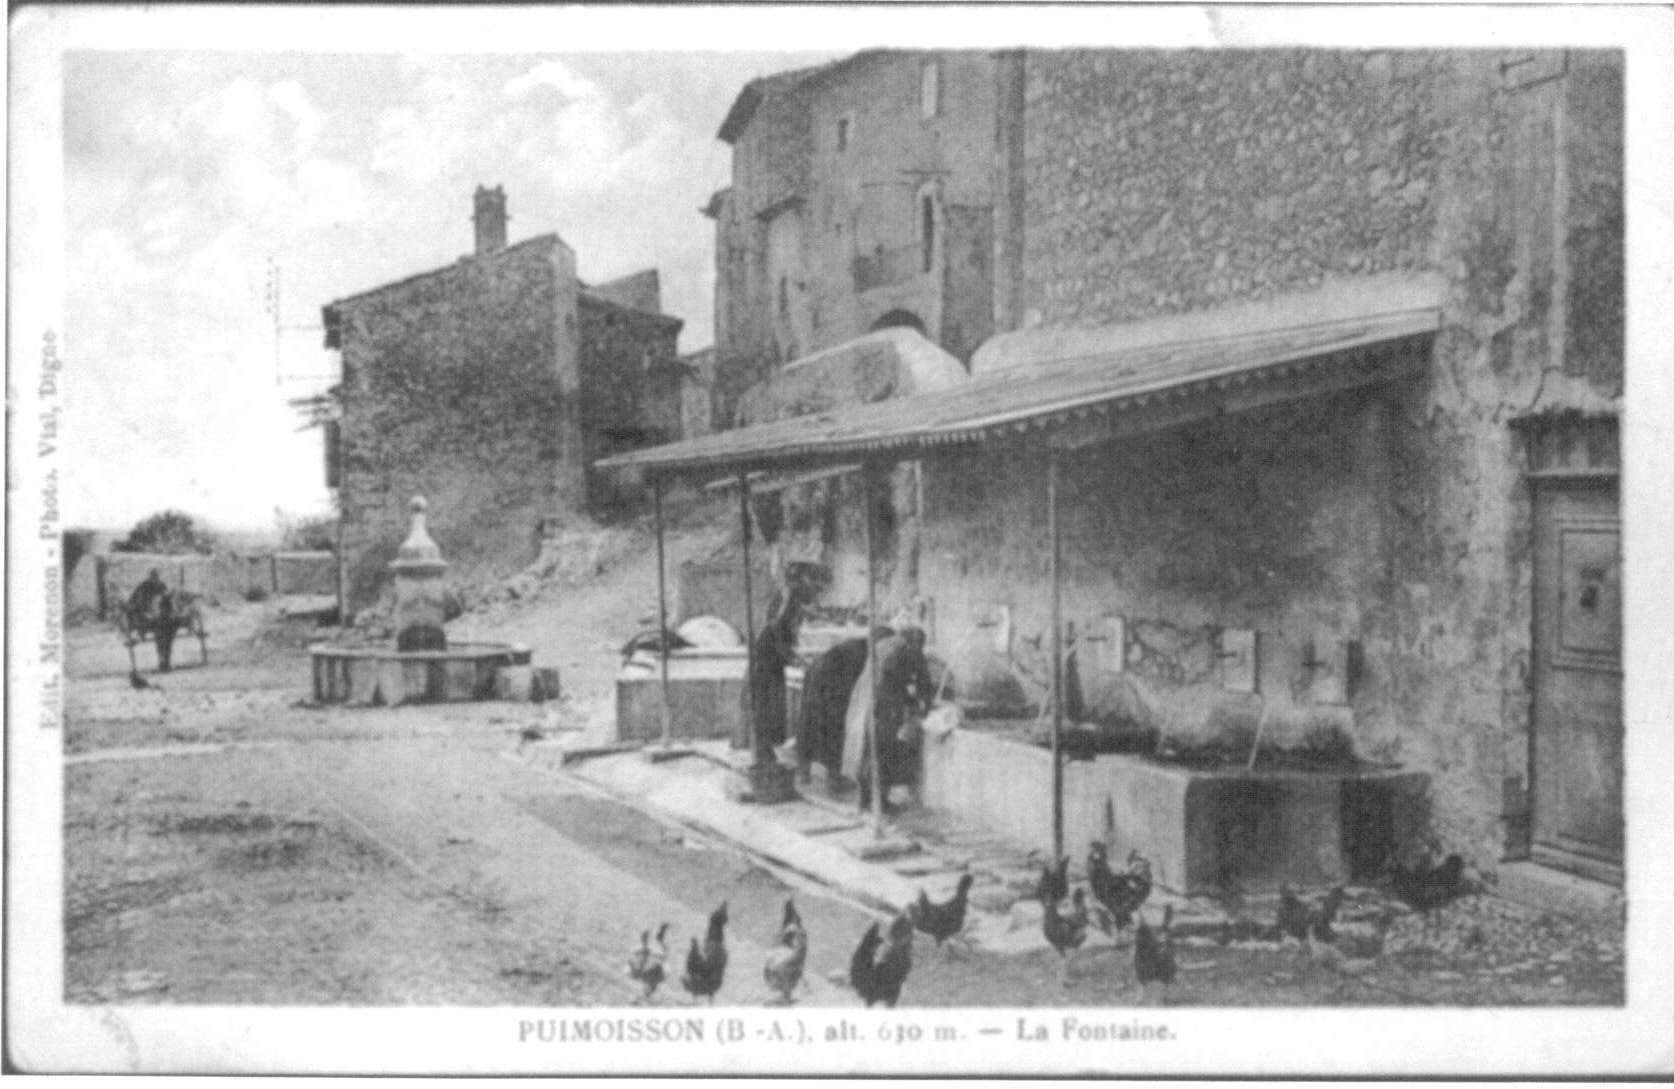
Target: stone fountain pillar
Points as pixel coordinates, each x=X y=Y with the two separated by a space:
x=418 y=571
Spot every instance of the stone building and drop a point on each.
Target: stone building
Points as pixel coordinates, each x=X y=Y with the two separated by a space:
x=1432 y=564
x=861 y=198
x=490 y=386
x=1327 y=347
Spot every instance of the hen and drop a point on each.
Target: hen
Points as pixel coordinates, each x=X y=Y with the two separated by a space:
x=1065 y=930
x=944 y=920
x=1294 y=916
x=1423 y=887
x=706 y=965
x=783 y=970
x=1120 y=894
x=645 y=963
x=1054 y=882
x=861 y=973
x=892 y=963
x=1321 y=921
x=1153 y=953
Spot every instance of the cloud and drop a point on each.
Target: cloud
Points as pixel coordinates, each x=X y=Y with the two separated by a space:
x=556 y=75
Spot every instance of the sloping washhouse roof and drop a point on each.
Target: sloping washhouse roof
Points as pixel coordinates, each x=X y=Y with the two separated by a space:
x=1087 y=385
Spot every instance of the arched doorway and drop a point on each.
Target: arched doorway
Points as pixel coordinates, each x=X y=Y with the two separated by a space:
x=899 y=319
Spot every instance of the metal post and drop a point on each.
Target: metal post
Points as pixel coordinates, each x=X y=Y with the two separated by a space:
x=749 y=620
x=1057 y=659
x=662 y=605
x=868 y=479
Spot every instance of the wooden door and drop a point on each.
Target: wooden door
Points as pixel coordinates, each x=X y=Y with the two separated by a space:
x=1577 y=737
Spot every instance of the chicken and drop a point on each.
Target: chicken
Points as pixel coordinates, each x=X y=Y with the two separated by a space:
x=1153 y=953
x=1423 y=887
x=645 y=963
x=944 y=920
x=1065 y=931
x=706 y=965
x=1294 y=916
x=892 y=963
x=1120 y=894
x=783 y=970
x=1320 y=921
x=136 y=681
x=861 y=974
x=1054 y=882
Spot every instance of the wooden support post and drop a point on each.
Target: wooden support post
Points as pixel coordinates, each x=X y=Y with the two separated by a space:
x=1057 y=659
x=869 y=498
x=749 y=619
x=662 y=608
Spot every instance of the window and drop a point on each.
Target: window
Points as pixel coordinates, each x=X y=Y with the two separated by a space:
x=842 y=134
x=784 y=297
x=927 y=230
x=930 y=89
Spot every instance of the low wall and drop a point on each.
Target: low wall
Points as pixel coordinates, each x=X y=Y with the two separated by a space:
x=1202 y=831
x=223 y=576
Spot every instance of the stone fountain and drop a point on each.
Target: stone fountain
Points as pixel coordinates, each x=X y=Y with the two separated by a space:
x=421 y=666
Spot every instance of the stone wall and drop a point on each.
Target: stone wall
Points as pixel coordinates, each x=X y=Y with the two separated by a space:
x=461 y=385
x=1166 y=183
x=841 y=226
x=629 y=390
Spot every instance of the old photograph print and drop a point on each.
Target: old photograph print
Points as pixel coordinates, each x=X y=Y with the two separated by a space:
x=613 y=541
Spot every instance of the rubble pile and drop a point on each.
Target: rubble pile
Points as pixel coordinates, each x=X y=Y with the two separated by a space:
x=1484 y=933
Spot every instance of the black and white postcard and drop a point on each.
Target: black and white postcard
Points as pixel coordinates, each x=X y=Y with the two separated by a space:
x=839 y=540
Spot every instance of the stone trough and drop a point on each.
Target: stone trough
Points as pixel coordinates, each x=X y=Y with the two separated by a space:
x=1202 y=830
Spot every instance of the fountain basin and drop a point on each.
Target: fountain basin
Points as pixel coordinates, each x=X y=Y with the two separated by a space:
x=382 y=675
x=1202 y=829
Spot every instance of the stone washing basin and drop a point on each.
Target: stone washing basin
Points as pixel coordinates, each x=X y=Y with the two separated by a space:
x=382 y=675
x=1202 y=829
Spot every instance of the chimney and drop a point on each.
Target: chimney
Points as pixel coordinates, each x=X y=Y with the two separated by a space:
x=490 y=219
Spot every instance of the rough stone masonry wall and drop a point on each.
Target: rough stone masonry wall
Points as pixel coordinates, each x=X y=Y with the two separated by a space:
x=452 y=389
x=623 y=353
x=1166 y=183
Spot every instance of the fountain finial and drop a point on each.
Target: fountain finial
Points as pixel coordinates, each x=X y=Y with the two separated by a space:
x=419 y=549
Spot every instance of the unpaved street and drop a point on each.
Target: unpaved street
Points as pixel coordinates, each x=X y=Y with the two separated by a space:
x=227 y=843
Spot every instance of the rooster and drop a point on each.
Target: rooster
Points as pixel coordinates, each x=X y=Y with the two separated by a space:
x=947 y=919
x=1065 y=930
x=1120 y=894
x=1153 y=953
x=645 y=963
x=783 y=970
x=706 y=965
x=1054 y=882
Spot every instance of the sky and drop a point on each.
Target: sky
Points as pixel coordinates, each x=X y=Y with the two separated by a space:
x=187 y=172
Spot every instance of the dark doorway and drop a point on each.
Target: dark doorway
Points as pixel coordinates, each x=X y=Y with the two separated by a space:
x=899 y=319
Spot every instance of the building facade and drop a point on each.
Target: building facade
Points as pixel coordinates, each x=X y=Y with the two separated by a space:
x=490 y=386
x=861 y=199
x=1422 y=569
x=1432 y=567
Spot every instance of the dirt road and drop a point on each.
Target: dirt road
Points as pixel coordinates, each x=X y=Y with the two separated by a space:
x=227 y=843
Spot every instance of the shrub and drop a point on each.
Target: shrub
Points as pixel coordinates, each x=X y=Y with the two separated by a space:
x=171 y=532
